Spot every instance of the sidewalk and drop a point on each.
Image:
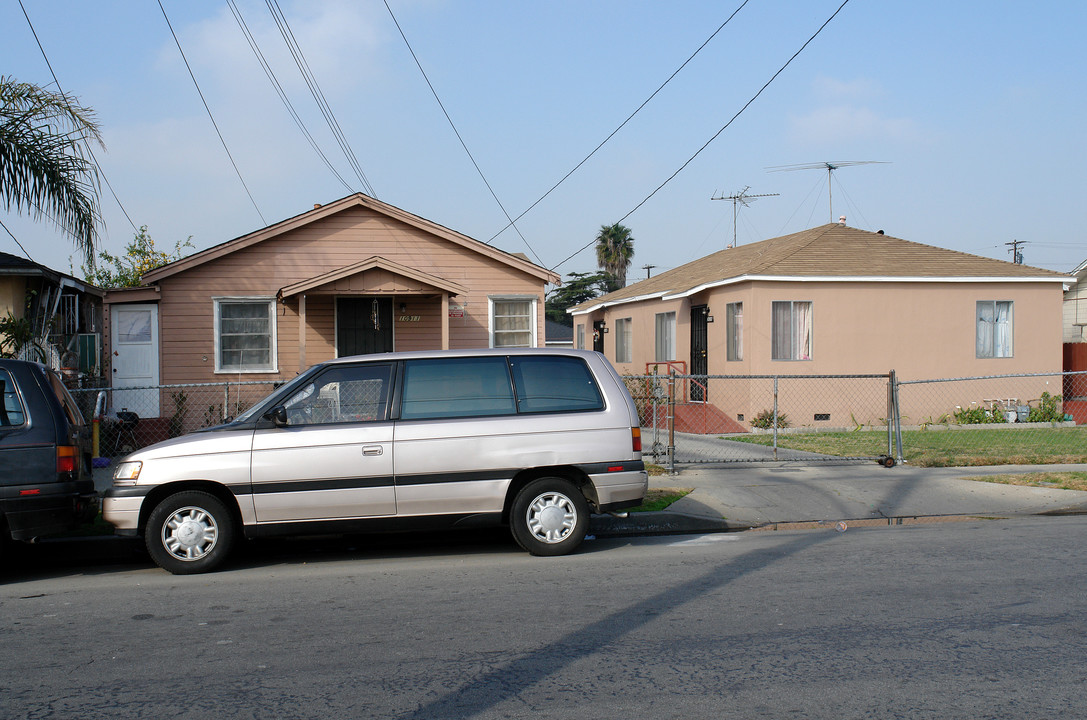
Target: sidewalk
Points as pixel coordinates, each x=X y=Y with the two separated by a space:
x=744 y=496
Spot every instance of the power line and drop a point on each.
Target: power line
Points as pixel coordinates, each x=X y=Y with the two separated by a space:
x=718 y=133
x=623 y=124
x=461 y=139
x=90 y=150
x=208 y=109
x=16 y=241
x=282 y=93
x=318 y=94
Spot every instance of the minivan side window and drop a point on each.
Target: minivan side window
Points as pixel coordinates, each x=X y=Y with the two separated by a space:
x=554 y=383
x=456 y=387
x=11 y=411
x=342 y=394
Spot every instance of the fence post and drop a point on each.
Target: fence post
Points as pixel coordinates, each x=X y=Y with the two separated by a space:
x=226 y=400
x=898 y=418
x=890 y=413
x=671 y=421
x=775 y=417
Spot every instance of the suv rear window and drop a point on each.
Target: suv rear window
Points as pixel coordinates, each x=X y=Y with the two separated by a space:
x=11 y=411
x=554 y=384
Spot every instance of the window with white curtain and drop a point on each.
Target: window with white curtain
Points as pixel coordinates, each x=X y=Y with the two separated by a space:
x=513 y=322
x=245 y=335
x=734 y=330
x=580 y=337
x=665 y=337
x=791 y=330
x=623 y=340
x=994 y=329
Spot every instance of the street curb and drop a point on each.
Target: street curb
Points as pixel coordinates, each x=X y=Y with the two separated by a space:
x=660 y=522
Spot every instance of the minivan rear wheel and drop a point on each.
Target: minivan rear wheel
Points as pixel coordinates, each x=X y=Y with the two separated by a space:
x=189 y=532
x=549 y=517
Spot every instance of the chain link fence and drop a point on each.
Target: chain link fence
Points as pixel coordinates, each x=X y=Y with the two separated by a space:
x=992 y=420
x=133 y=417
x=686 y=419
x=759 y=418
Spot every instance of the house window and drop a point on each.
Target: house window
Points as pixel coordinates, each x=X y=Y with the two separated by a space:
x=580 y=337
x=791 y=330
x=994 y=328
x=666 y=337
x=622 y=340
x=734 y=329
x=245 y=335
x=513 y=322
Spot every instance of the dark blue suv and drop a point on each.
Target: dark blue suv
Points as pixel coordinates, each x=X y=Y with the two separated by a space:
x=45 y=455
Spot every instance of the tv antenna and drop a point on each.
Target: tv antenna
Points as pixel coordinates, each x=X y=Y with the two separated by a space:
x=830 y=167
x=741 y=198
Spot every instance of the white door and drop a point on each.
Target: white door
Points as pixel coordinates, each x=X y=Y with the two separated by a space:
x=134 y=336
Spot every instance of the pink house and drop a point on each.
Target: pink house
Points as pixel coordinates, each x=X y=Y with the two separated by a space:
x=833 y=300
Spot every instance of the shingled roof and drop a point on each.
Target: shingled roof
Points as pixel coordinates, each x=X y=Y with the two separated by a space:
x=832 y=252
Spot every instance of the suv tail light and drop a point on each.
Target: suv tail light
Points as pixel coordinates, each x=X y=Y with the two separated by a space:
x=636 y=439
x=67 y=457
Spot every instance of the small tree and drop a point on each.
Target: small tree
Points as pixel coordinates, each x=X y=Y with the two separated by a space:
x=127 y=270
x=579 y=288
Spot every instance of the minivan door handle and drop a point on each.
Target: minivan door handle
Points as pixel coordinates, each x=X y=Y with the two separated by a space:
x=371 y=450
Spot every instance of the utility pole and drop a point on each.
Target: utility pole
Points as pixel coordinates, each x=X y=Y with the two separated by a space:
x=647 y=268
x=1017 y=257
x=741 y=198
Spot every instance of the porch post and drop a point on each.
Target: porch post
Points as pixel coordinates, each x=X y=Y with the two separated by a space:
x=445 y=320
x=301 y=332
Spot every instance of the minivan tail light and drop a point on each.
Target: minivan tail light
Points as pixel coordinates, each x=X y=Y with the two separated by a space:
x=66 y=458
x=636 y=439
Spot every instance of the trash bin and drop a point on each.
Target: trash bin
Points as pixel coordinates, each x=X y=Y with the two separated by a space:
x=1023 y=413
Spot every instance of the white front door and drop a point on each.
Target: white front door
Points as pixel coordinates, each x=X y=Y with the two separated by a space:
x=134 y=336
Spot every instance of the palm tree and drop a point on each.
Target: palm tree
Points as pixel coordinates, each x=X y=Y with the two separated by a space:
x=614 y=250
x=45 y=163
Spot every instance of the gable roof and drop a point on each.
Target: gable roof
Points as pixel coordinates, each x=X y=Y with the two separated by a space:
x=323 y=211
x=828 y=253
x=369 y=264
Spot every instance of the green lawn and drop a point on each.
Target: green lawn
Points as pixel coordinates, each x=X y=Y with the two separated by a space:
x=942 y=448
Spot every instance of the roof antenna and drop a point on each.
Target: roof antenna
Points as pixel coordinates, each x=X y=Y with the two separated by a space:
x=741 y=198
x=830 y=167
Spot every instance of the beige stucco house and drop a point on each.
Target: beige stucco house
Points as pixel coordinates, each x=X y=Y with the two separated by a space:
x=353 y=276
x=833 y=300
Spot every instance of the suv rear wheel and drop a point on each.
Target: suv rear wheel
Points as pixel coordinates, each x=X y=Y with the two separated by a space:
x=189 y=532
x=549 y=516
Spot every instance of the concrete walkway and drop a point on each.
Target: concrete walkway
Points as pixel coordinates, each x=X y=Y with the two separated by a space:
x=738 y=497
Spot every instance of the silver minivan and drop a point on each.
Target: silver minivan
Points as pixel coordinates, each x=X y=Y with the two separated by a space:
x=530 y=438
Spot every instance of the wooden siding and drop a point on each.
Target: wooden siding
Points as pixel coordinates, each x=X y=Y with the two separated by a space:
x=186 y=308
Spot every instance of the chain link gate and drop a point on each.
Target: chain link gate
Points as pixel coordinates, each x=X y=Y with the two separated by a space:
x=745 y=418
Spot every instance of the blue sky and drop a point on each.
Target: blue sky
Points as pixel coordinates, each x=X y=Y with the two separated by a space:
x=977 y=109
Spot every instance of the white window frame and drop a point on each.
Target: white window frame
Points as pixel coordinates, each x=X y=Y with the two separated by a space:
x=273 y=355
x=664 y=338
x=734 y=331
x=533 y=300
x=800 y=338
x=994 y=336
x=624 y=347
x=580 y=337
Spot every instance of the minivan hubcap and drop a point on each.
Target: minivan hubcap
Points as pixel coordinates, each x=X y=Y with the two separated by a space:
x=551 y=517
x=190 y=533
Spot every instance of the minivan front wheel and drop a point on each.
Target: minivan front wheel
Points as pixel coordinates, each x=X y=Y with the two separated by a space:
x=549 y=516
x=189 y=532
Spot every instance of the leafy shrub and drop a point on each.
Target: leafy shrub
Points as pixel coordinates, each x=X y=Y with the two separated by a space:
x=765 y=420
x=975 y=416
x=1049 y=411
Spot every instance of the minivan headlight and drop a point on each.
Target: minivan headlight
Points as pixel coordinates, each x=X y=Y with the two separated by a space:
x=127 y=473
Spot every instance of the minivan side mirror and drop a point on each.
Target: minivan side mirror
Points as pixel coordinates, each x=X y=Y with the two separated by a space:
x=277 y=415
